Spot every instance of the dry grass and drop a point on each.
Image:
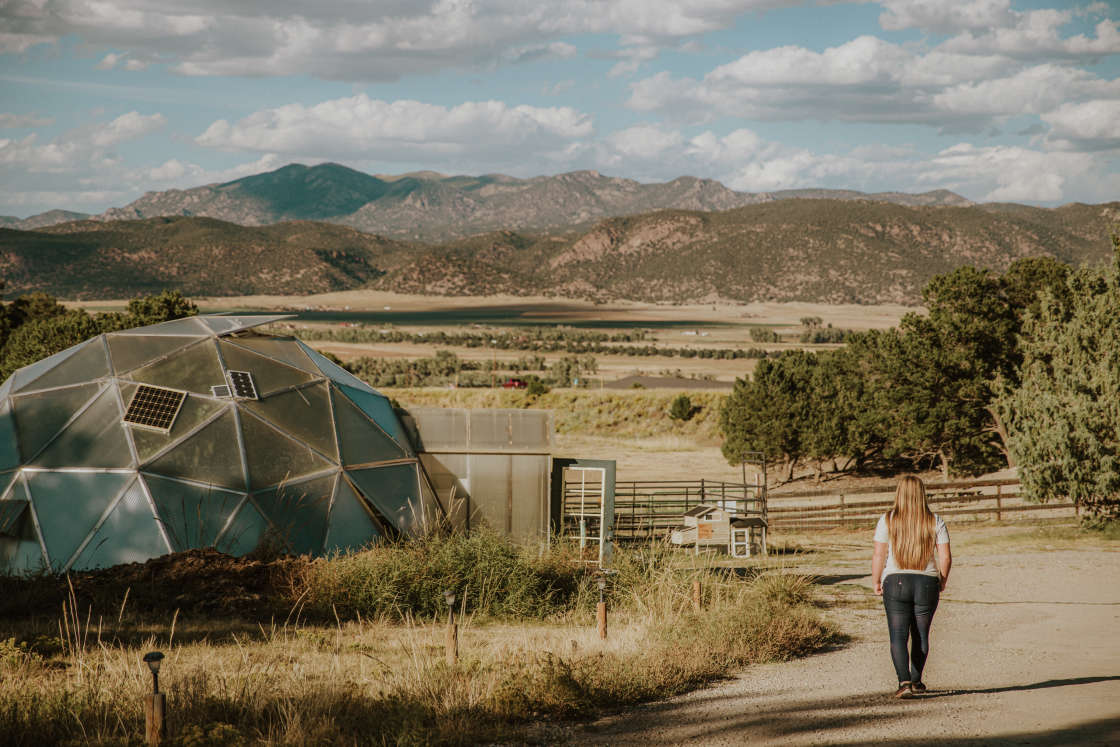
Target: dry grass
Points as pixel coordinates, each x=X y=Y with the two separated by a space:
x=370 y=678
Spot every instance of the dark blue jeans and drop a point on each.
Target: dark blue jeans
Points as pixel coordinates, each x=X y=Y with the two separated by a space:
x=910 y=600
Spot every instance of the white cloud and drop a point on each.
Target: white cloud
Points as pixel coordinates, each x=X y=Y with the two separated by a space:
x=1091 y=125
x=127 y=127
x=109 y=61
x=945 y=16
x=342 y=39
x=365 y=128
x=14 y=121
x=1012 y=173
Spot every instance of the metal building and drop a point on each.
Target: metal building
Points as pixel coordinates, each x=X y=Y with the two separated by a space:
x=489 y=466
x=194 y=433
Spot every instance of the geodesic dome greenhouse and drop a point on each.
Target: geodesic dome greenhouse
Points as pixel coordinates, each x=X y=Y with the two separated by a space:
x=198 y=432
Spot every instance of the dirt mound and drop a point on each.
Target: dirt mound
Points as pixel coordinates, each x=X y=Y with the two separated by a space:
x=195 y=582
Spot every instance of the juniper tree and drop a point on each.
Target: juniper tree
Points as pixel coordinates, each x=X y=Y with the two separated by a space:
x=1064 y=417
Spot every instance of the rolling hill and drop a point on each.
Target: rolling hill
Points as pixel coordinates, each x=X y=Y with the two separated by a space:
x=838 y=251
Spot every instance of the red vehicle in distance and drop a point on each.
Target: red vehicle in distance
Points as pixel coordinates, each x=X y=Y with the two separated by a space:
x=515 y=383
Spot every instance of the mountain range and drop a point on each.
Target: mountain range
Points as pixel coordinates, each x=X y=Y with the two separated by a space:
x=426 y=206
x=822 y=250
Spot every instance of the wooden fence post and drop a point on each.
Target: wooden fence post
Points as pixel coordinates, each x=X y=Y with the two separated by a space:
x=999 y=503
x=155 y=710
x=842 y=524
x=696 y=595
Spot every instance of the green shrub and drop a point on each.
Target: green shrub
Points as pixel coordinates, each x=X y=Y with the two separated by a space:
x=682 y=408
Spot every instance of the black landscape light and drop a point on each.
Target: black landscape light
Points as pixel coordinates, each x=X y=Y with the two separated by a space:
x=602 y=588
x=449 y=597
x=153 y=659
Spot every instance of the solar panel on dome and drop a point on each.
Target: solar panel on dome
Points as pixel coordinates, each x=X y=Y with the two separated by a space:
x=154 y=407
x=242 y=383
x=221 y=390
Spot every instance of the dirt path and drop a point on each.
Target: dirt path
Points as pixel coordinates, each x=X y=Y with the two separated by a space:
x=1025 y=650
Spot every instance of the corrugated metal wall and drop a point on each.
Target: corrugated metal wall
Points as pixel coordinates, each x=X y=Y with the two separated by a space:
x=489 y=467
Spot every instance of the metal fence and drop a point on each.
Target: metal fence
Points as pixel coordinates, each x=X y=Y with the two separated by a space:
x=649 y=509
x=997 y=500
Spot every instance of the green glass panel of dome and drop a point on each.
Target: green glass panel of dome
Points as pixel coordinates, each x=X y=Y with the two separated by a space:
x=194 y=369
x=6 y=480
x=268 y=375
x=194 y=410
x=245 y=533
x=130 y=534
x=20 y=551
x=9 y=447
x=280 y=348
x=298 y=512
x=133 y=351
x=329 y=369
x=351 y=527
x=303 y=413
x=377 y=407
x=275 y=458
x=360 y=440
x=27 y=375
x=188 y=326
x=211 y=456
x=192 y=515
x=39 y=417
x=69 y=504
x=87 y=363
x=95 y=439
x=395 y=493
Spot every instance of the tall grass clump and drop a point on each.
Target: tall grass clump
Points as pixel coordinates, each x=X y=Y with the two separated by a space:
x=489 y=576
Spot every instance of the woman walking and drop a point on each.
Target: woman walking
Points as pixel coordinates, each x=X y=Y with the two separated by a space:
x=910 y=568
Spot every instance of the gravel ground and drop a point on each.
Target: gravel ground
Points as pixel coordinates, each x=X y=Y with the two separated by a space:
x=1024 y=650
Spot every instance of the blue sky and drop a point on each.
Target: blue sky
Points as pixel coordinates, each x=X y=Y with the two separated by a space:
x=998 y=100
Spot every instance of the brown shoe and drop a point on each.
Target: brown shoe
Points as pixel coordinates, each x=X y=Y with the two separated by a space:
x=904 y=690
x=918 y=687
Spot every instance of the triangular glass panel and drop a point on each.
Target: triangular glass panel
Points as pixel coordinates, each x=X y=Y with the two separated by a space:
x=224 y=325
x=395 y=493
x=281 y=348
x=193 y=369
x=360 y=441
x=20 y=551
x=6 y=387
x=211 y=456
x=40 y=416
x=133 y=351
x=192 y=515
x=381 y=412
x=28 y=374
x=188 y=326
x=86 y=363
x=337 y=373
x=298 y=512
x=245 y=533
x=304 y=413
x=130 y=534
x=10 y=514
x=69 y=504
x=95 y=439
x=351 y=526
x=273 y=457
x=9 y=447
x=195 y=409
x=6 y=480
x=269 y=375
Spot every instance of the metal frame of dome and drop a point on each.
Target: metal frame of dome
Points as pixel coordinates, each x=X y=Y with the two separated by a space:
x=319 y=463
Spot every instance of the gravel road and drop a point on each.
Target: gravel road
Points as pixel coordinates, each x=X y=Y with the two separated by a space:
x=1025 y=650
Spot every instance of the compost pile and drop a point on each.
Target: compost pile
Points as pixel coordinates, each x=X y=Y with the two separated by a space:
x=195 y=582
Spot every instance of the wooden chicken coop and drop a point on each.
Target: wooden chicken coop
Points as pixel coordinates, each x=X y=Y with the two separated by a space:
x=707 y=526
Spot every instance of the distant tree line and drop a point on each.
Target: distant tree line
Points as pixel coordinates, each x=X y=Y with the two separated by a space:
x=446 y=368
x=544 y=339
x=36 y=325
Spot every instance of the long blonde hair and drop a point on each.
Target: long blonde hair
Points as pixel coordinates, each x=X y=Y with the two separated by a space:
x=911 y=525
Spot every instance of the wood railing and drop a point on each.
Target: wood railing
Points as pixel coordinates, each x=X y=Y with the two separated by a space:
x=998 y=500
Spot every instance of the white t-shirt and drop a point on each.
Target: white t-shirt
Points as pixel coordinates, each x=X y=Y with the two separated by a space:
x=882 y=534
